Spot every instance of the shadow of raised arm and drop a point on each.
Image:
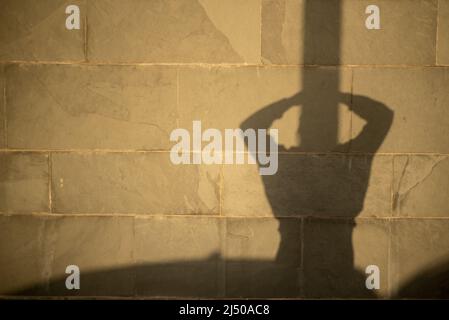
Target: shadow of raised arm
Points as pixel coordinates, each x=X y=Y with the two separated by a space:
x=264 y=118
x=378 y=117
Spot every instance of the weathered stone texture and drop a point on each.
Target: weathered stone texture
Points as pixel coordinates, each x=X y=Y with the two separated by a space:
x=443 y=33
x=90 y=107
x=2 y=108
x=24 y=259
x=24 y=181
x=419 y=99
x=179 y=256
x=86 y=177
x=421 y=186
x=419 y=258
x=174 y=31
x=102 y=248
x=132 y=183
x=36 y=31
x=290 y=36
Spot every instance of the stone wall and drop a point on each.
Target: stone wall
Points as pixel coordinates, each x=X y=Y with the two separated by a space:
x=85 y=171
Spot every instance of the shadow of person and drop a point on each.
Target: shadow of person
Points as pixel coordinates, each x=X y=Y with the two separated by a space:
x=327 y=189
x=317 y=185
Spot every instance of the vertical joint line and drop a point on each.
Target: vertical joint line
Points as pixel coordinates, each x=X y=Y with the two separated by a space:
x=392 y=213
x=5 y=124
x=389 y=292
x=260 y=33
x=50 y=174
x=301 y=264
x=223 y=255
x=220 y=191
x=86 y=59
x=351 y=101
x=177 y=97
x=436 y=36
x=133 y=258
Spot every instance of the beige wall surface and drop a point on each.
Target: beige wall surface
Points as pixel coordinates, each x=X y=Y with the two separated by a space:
x=86 y=176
